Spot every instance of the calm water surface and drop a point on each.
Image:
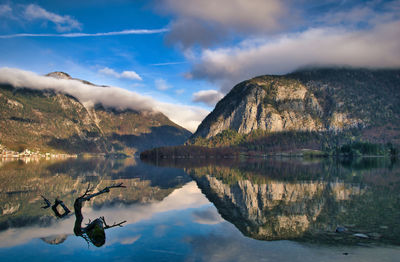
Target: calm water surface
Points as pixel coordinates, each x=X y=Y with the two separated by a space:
x=253 y=210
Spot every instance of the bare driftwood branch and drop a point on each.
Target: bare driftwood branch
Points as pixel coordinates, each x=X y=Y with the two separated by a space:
x=87 y=197
x=46 y=202
x=114 y=225
x=87 y=191
x=94 y=231
x=79 y=203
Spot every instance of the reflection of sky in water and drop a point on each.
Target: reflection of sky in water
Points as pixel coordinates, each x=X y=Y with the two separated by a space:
x=189 y=196
x=184 y=226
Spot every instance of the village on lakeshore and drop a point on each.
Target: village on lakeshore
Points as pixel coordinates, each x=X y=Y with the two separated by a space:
x=29 y=155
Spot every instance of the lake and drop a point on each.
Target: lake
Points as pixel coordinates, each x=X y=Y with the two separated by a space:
x=204 y=210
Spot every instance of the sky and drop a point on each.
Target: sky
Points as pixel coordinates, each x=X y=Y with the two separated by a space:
x=182 y=56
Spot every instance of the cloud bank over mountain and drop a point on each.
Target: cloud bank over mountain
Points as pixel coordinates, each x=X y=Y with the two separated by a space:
x=115 y=97
x=228 y=41
x=376 y=47
x=197 y=46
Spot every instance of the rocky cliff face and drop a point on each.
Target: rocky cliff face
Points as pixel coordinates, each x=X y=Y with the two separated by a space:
x=310 y=100
x=54 y=122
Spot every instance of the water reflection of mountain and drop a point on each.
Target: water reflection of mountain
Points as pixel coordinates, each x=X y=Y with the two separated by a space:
x=22 y=184
x=291 y=199
x=55 y=240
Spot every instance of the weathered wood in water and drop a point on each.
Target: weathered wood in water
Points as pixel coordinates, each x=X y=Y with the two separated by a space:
x=94 y=232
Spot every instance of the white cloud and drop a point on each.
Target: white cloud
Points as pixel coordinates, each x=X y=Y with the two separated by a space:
x=179 y=91
x=5 y=10
x=63 y=23
x=207 y=21
x=130 y=75
x=378 y=46
x=168 y=63
x=72 y=35
x=240 y=14
x=189 y=117
x=109 y=71
x=209 y=97
x=366 y=12
x=161 y=84
x=137 y=85
x=125 y=74
x=186 y=116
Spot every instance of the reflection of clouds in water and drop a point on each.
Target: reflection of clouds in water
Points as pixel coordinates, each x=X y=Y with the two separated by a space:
x=226 y=243
x=179 y=223
x=209 y=216
x=160 y=230
x=189 y=196
x=16 y=236
x=124 y=240
x=129 y=240
x=55 y=239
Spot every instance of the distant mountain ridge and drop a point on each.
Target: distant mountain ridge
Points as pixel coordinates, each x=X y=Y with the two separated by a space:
x=312 y=100
x=63 y=75
x=59 y=75
x=51 y=121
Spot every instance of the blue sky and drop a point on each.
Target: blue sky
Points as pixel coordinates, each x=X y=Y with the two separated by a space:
x=192 y=52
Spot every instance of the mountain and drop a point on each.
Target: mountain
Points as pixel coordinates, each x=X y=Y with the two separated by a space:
x=311 y=101
x=51 y=121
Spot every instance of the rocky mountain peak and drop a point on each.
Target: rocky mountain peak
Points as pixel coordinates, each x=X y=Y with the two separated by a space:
x=63 y=75
x=326 y=99
x=59 y=75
